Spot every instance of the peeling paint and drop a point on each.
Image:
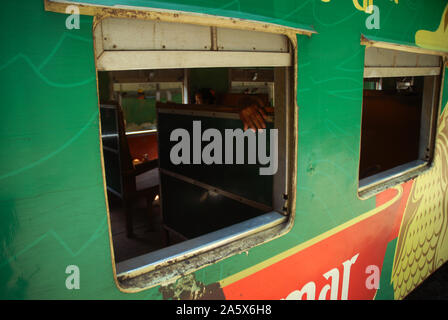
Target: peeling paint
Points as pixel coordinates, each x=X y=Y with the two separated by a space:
x=102 y=12
x=189 y=288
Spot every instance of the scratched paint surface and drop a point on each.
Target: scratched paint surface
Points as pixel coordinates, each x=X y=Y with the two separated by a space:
x=52 y=205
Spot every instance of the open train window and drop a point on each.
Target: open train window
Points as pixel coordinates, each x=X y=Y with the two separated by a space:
x=399 y=116
x=208 y=188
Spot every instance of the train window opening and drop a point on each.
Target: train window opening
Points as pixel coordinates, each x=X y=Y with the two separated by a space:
x=399 y=117
x=227 y=188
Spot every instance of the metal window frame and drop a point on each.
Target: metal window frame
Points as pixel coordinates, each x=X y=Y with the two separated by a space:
x=237 y=238
x=432 y=104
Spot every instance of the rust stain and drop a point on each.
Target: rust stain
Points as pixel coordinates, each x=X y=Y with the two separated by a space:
x=191 y=18
x=189 y=288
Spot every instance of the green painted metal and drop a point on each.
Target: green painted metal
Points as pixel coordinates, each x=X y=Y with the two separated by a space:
x=200 y=78
x=138 y=111
x=445 y=92
x=386 y=290
x=52 y=202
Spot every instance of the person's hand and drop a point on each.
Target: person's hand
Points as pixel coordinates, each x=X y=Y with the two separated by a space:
x=253 y=117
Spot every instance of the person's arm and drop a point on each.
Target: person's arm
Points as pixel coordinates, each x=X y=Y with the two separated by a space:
x=253 y=117
x=252 y=114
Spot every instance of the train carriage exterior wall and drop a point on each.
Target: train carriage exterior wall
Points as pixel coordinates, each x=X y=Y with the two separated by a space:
x=52 y=201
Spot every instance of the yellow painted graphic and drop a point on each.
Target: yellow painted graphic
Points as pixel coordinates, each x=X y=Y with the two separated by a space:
x=366 y=5
x=422 y=244
x=437 y=40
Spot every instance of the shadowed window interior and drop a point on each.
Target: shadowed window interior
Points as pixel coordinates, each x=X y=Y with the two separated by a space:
x=399 y=113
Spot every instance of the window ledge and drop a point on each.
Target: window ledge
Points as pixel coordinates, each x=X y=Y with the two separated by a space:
x=378 y=182
x=167 y=256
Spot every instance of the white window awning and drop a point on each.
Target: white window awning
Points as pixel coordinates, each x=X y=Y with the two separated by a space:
x=130 y=44
x=384 y=59
x=381 y=62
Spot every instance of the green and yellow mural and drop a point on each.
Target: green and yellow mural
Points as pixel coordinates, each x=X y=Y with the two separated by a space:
x=437 y=39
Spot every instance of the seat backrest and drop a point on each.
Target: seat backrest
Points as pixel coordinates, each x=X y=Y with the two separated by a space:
x=125 y=154
x=126 y=164
x=117 y=157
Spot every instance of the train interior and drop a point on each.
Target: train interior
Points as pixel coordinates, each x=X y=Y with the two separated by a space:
x=391 y=119
x=135 y=138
